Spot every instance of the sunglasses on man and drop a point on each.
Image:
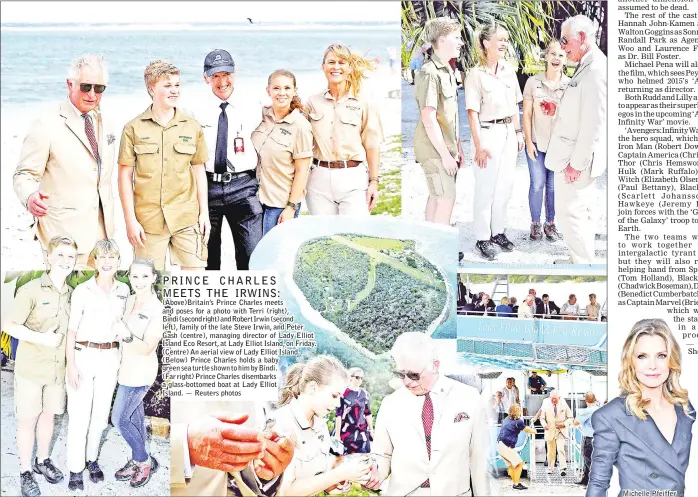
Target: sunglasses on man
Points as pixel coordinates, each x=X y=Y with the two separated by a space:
x=86 y=87
x=410 y=375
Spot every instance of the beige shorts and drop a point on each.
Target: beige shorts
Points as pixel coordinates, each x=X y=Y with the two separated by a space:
x=32 y=398
x=509 y=454
x=440 y=184
x=187 y=248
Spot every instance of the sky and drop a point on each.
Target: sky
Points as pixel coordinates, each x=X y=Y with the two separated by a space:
x=172 y=12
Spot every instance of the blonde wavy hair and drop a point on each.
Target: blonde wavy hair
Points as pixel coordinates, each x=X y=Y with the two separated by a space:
x=627 y=378
x=321 y=369
x=485 y=34
x=358 y=64
x=515 y=411
x=104 y=247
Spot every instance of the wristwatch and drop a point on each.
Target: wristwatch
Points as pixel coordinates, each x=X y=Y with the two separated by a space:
x=294 y=206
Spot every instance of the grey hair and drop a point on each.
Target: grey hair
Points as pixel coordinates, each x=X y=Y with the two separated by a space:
x=581 y=24
x=88 y=60
x=412 y=344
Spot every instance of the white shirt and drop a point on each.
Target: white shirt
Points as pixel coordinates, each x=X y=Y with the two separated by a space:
x=508 y=397
x=568 y=308
x=93 y=311
x=525 y=310
x=243 y=119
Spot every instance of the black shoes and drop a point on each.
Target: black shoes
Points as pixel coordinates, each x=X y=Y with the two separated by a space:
x=563 y=472
x=503 y=242
x=486 y=249
x=518 y=486
x=96 y=474
x=75 y=482
x=29 y=486
x=46 y=468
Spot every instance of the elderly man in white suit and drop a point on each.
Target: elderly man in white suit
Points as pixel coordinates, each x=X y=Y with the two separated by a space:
x=211 y=439
x=431 y=436
x=556 y=418
x=65 y=169
x=577 y=149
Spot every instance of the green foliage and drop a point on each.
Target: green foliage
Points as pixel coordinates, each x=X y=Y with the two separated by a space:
x=390 y=194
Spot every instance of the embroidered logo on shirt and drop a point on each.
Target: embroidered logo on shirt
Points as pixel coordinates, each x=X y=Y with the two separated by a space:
x=144 y=137
x=185 y=139
x=142 y=316
x=353 y=107
x=122 y=296
x=45 y=303
x=461 y=416
x=284 y=131
x=110 y=139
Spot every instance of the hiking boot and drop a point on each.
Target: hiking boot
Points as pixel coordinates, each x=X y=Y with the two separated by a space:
x=75 y=482
x=46 y=468
x=519 y=486
x=551 y=232
x=536 y=232
x=486 y=249
x=96 y=474
x=126 y=472
x=504 y=243
x=29 y=486
x=142 y=474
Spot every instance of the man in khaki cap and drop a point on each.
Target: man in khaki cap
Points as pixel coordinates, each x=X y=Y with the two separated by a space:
x=167 y=204
x=64 y=172
x=39 y=320
x=437 y=146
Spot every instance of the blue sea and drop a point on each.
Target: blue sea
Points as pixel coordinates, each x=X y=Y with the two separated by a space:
x=35 y=58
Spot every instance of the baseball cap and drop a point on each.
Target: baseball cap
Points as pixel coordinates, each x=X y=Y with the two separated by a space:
x=218 y=61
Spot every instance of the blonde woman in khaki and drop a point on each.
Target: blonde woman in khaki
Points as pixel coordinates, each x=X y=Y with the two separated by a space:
x=313 y=390
x=646 y=432
x=347 y=133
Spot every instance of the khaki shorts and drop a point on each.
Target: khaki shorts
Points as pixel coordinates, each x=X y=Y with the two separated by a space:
x=187 y=248
x=439 y=183
x=509 y=454
x=32 y=398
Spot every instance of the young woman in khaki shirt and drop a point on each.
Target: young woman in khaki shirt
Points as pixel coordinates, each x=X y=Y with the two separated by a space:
x=312 y=390
x=348 y=134
x=142 y=325
x=284 y=143
x=540 y=89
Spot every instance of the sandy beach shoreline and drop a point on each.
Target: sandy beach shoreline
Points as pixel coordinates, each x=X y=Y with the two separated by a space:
x=20 y=251
x=414 y=198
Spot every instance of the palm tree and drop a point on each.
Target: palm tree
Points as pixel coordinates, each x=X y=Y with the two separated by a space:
x=530 y=23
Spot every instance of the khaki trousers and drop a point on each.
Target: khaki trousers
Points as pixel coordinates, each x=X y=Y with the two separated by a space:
x=574 y=215
x=337 y=191
x=556 y=445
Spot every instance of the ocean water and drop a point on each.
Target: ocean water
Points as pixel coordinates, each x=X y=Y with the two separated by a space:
x=35 y=58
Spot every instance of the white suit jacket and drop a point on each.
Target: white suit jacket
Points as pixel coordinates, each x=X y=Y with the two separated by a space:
x=57 y=159
x=579 y=133
x=548 y=418
x=459 y=441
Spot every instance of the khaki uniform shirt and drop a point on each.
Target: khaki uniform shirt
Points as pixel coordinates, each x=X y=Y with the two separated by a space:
x=435 y=86
x=278 y=144
x=538 y=89
x=494 y=95
x=40 y=306
x=343 y=130
x=136 y=369
x=165 y=188
x=312 y=455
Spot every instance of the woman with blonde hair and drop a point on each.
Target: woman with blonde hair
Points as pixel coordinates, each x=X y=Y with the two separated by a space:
x=353 y=418
x=142 y=325
x=492 y=96
x=92 y=357
x=646 y=432
x=284 y=143
x=504 y=310
x=347 y=131
x=541 y=89
x=506 y=443
x=312 y=390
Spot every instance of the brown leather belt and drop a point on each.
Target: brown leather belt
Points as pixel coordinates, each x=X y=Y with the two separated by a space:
x=337 y=164
x=103 y=346
x=506 y=120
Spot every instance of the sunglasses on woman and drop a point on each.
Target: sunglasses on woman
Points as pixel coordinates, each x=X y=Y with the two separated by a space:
x=86 y=87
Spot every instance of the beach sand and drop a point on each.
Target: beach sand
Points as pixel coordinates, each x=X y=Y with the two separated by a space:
x=114 y=452
x=414 y=198
x=20 y=251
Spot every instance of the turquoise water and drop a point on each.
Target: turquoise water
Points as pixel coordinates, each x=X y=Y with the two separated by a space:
x=35 y=59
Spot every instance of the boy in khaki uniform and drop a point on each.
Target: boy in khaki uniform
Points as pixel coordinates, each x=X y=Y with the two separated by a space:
x=165 y=150
x=39 y=320
x=437 y=146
